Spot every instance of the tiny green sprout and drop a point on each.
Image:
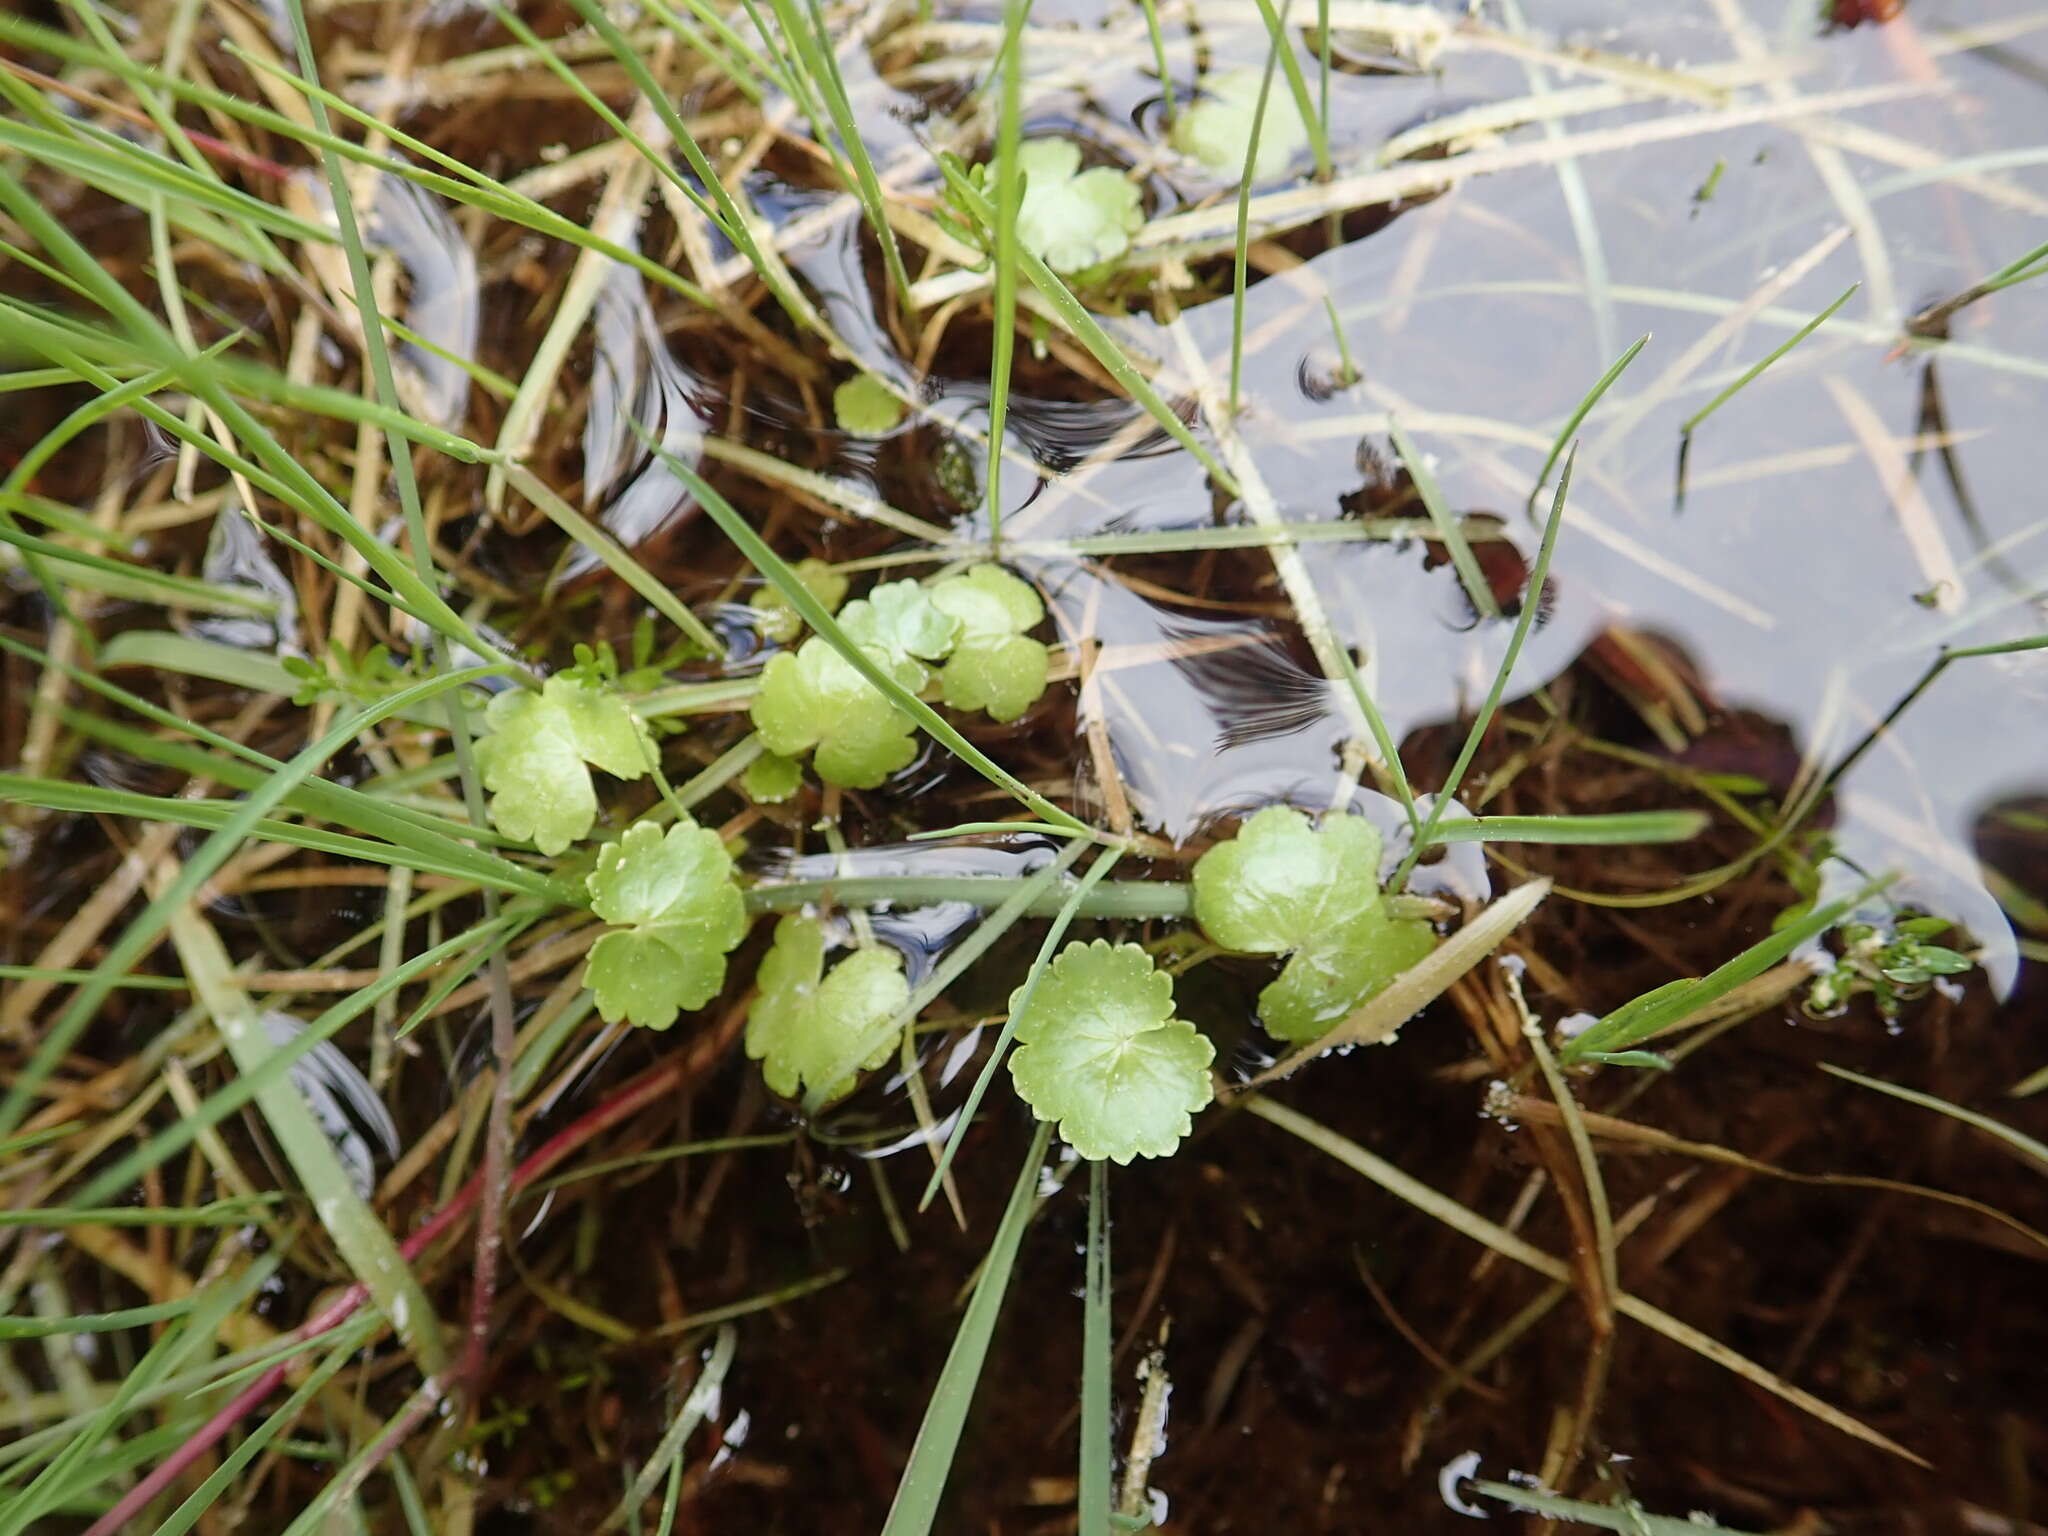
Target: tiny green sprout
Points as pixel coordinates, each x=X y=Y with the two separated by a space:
x=775 y=617
x=995 y=665
x=1892 y=965
x=771 y=779
x=1075 y=221
x=677 y=913
x=1101 y=1053
x=864 y=407
x=1217 y=129
x=1282 y=887
x=534 y=755
x=812 y=1030
x=899 y=622
x=813 y=697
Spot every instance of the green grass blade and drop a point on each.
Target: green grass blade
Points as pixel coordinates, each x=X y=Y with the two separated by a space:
x=701 y=1400
x=1448 y=528
x=1579 y=412
x=1750 y=374
x=1658 y=1010
x=1241 y=248
x=1094 y=1500
x=243 y=1088
x=2024 y=1146
x=1100 y=344
x=916 y=1506
x=1619 y=827
x=1532 y=601
x=142 y=934
x=1009 y=201
x=98 y=1322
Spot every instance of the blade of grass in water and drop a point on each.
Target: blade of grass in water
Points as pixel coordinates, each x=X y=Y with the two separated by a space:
x=915 y=1509
x=1625 y=1517
x=1061 y=921
x=1578 y=415
x=166 y=1143
x=804 y=28
x=1009 y=200
x=1094 y=1500
x=206 y=860
x=1532 y=601
x=1448 y=528
x=1750 y=374
x=1659 y=1009
x=1100 y=344
x=1159 y=64
x=2025 y=1146
x=774 y=569
x=1241 y=255
x=1620 y=827
x=702 y=1399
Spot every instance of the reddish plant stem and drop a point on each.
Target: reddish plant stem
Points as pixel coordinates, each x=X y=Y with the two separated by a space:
x=220 y=149
x=630 y=1099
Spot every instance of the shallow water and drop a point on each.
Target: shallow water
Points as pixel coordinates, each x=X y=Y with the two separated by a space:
x=1843 y=517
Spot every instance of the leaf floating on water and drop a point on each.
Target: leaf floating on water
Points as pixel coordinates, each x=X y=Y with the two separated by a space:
x=678 y=913
x=1101 y=1052
x=995 y=665
x=1074 y=220
x=533 y=758
x=1217 y=129
x=899 y=622
x=1283 y=887
x=811 y=1030
x=777 y=619
x=864 y=407
x=813 y=698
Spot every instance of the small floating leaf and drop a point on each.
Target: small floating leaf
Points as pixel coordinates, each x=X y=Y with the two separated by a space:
x=777 y=619
x=994 y=666
x=533 y=757
x=813 y=698
x=864 y=407
x=1101 y=1053
x=1071 y=219
x=899 y=622
x=679 y=913
x=1282 y=887
x=807 y=1027
x=771 y=779
x=1217 y=128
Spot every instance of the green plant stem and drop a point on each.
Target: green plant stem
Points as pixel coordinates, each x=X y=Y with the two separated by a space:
x=1130 y=899
x=916 y=1505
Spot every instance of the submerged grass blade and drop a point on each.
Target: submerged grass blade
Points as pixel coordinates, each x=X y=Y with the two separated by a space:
x=1579 y=413
x=1750 y=374
x=1009 y=200
x=1626 y=1517
x=1448 y=528
x=1241 y=252
x=1096 y=1362
x=1532 y=602
x=1508 y=1245
x=915 y=1509
x=1618 y=827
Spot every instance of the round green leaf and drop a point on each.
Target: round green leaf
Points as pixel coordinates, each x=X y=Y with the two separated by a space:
x=1101 y=1053
x=994 y=665
x=813 y=698
x=1216 y=129
x=1280 y=883
x=1072 y=219
x=679 y=912
x=810 y=1030
x=532 y=758
x=864 y=407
